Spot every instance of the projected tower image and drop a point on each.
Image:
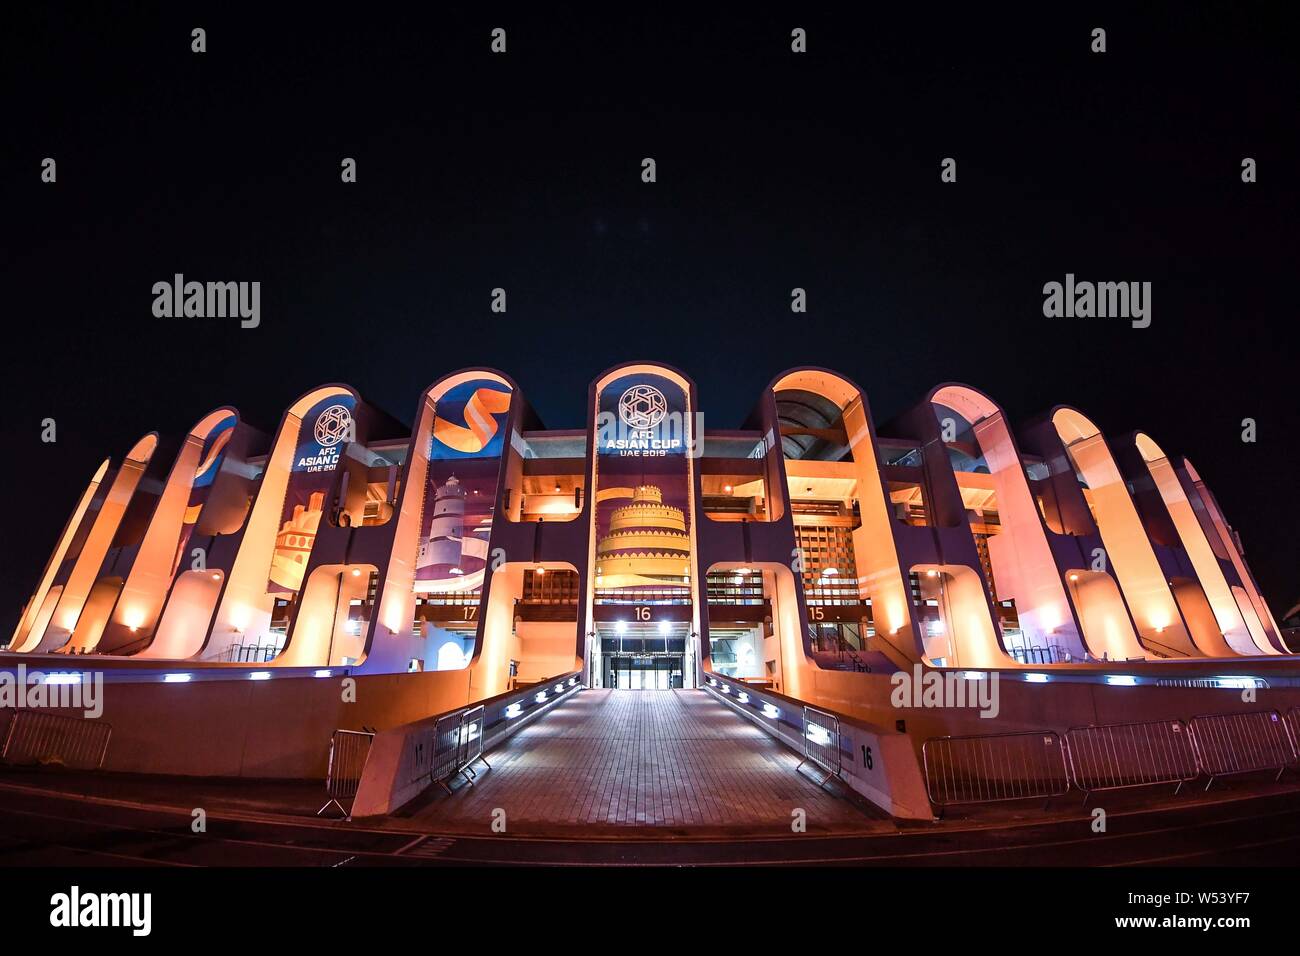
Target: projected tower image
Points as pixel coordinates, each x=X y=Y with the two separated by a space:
x=646 y=544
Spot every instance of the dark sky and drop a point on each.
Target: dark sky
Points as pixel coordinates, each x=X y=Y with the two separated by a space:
x=774 y=171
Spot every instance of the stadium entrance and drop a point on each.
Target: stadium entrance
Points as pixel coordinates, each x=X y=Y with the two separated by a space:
x=648 y=656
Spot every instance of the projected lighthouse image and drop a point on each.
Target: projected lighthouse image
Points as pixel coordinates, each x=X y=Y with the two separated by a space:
x=447 y=550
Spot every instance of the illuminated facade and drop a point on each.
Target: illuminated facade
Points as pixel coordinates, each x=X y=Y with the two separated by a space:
x=646 y=548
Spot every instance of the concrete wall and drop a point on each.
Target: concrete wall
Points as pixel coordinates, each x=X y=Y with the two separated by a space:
x=274 y=729
x=1057 y=705
x=877 y=763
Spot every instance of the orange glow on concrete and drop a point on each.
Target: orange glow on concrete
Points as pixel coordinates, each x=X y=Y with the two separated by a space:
x=1263 y=629
x=150 y=576
x=320 y=635
x=184 y=625
x=86 y=570
x=1023 y=565
x=36 y=615
x=1128 y=550
x=879 y=574
x=964 y=635
x=1227 y=632
x=245 y=606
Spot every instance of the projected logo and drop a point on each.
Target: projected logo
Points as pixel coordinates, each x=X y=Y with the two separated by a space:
x=642 y=407
x=469 y=429
x=326 y=426
x=333 y=425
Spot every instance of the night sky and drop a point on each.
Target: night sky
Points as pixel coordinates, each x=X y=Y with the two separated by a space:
x=775 y=170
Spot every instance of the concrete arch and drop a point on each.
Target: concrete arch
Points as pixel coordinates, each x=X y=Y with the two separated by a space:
x=245 y=605
x=499 y=640
x=1227 y=616
x=1023 y=564
x=889 y=553
x=1152 y=605
x=692 y=446
x=1264 y=632
x=40 y=607
x=393 y=640
x=785 y=646
x=324 y=632
x=81 y=582
x=880 y=575
x=139 y=606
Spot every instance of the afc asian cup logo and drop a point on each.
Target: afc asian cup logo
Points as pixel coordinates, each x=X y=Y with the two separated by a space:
x=642 y=407
x=334 y=425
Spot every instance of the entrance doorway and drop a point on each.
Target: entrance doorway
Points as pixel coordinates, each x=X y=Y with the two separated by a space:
x=643 y=673
x=649 y=656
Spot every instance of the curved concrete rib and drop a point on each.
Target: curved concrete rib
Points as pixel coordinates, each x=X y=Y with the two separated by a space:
x=889 y=552
x=1023 y=564
x=156 y=560
x=246 y=604
x=879 y=574
x=1227 y=619
x=1264 y=632
x=39 y=609
x=84 y=586
x=1155 y=612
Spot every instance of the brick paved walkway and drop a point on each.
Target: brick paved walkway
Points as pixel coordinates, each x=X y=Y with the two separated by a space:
x=674 y=761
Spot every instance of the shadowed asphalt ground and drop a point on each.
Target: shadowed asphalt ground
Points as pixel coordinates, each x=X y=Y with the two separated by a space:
x=659 y=778
x=1230 y=828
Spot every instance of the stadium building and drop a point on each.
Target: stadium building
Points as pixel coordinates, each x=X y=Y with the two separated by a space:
x=804 y=558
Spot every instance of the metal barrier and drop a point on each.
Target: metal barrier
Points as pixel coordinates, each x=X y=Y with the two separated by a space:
x=821 y=741
x=348 y=752
x=1138 y=754
x=987 y=768
x=75 y=742
x=459 y=745
x=1240 y=743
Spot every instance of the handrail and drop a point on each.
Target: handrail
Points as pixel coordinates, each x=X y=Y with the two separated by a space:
x=1146 y=641
x=877 y=635
x=407 y=759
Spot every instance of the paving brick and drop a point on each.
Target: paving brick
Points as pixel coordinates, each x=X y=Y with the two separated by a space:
x=660 y=760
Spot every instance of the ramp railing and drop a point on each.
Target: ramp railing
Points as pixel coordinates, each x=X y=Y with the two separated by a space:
x=348 y=752
x=1138 y=754
x=79 y=743
x=410 y=758
x=821 y=741
x=988 y=768
x=1229 y=744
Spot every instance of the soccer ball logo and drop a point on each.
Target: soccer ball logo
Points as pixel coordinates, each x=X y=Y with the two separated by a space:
x=333 y=426
x=642 y=407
